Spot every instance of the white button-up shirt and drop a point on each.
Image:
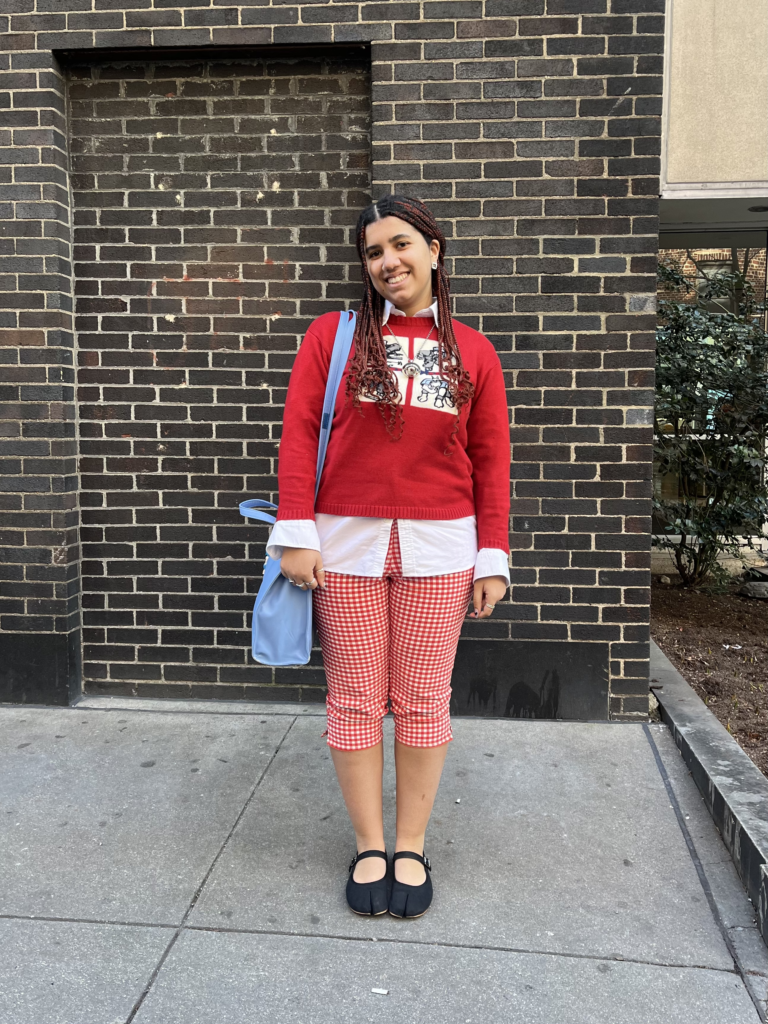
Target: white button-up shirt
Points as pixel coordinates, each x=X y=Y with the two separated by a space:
x=357 y=545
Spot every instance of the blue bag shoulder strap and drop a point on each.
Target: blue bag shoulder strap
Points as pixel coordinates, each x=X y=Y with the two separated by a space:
x=341 y=349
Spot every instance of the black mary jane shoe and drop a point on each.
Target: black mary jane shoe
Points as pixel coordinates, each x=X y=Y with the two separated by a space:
x=368 y=898
x=410 y=900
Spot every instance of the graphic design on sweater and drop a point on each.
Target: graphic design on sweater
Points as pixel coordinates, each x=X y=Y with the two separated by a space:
x=415 y=362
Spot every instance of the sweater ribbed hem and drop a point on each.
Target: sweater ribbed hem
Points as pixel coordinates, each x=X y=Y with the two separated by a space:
x=396 y=511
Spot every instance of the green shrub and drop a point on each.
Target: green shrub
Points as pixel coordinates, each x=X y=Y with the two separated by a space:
x=711 y=417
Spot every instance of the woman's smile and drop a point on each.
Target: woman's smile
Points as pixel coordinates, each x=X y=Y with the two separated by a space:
x=400 y=285
x=400 y=278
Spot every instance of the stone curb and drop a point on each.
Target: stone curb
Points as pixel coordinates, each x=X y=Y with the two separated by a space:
x=734 y=788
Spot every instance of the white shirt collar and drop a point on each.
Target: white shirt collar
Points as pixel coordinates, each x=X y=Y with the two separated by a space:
x=389 y=307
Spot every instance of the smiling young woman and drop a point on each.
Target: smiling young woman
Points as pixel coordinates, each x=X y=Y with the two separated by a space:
x=410 y=524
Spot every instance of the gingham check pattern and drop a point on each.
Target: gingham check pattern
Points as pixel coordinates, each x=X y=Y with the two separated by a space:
x=390 y=637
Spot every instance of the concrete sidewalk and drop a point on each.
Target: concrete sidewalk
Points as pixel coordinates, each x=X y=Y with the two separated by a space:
x=167 y=862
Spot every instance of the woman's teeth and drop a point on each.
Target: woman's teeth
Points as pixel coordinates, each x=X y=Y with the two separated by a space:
x=398 y=279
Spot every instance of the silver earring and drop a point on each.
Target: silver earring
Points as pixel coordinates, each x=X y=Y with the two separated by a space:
x=434 y=266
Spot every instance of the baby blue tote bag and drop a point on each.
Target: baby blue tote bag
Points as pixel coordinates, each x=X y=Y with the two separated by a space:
x=282 y=614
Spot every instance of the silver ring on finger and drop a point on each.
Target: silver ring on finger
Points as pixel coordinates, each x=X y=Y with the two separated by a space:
x=491 y=606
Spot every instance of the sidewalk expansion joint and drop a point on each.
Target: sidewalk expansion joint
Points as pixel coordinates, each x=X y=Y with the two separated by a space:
x=442 y=944
x=87 y=920
x=219 y=930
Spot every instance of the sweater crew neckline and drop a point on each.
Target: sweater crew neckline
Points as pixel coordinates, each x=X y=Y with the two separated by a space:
x=417 y=321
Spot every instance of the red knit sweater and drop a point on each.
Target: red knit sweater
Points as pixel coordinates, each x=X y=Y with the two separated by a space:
x=367 y=472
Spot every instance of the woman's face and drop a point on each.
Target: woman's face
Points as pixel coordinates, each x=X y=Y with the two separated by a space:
x=399 y=262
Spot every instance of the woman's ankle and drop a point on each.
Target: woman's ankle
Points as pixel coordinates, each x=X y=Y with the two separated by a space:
x=413 y=843
x=375 y=842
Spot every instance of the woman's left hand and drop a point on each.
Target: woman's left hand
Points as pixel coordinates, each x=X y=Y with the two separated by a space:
x=488 y=590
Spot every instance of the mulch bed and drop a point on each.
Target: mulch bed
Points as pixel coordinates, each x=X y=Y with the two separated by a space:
x=697 y=631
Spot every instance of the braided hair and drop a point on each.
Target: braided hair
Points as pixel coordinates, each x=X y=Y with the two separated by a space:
x=369 y=374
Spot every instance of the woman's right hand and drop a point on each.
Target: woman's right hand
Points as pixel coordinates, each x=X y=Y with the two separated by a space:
x=304 y=566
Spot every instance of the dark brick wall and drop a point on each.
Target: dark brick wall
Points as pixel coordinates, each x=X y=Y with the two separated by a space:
x=532 y=129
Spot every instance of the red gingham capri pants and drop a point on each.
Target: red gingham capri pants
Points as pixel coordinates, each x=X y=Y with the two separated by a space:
x=392 y=638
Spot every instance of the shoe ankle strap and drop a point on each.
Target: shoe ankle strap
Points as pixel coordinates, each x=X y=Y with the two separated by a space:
x=414 y=856
x=367 y=853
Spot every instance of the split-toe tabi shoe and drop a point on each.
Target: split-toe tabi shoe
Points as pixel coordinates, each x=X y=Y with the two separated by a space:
x=369 y=898
x=410 y=900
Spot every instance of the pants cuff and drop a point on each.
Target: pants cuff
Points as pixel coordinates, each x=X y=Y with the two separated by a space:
x=422 y=734
x=350 y=735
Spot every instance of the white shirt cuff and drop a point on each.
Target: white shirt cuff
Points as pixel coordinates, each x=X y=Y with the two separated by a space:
x=292 y=533
x=492 y=562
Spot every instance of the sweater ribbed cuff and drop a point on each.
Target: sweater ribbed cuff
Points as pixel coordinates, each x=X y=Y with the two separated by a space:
x=493 y=542
x=295 y=513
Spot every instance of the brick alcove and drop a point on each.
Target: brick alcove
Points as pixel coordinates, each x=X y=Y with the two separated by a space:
x=214 y=201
